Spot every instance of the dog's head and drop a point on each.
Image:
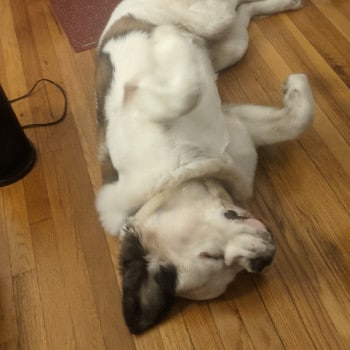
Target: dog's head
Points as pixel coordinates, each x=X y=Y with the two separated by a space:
x=192 y=246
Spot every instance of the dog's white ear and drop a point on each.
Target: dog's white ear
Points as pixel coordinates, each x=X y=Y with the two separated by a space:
x=147 y=293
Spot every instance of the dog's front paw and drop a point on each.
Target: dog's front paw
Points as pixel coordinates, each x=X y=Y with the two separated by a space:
x=298 y=99
x=111 y=217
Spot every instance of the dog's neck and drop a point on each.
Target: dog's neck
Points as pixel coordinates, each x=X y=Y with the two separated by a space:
x=191 y=190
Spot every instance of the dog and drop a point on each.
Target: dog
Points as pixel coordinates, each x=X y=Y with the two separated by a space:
x=178 y=166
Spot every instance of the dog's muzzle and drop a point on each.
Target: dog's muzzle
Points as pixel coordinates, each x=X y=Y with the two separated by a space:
x=264 y=258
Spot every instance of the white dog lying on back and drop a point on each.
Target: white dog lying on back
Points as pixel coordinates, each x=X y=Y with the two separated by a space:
x=175 y=161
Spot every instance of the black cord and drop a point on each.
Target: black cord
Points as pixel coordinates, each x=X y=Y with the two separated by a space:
x=29 y=93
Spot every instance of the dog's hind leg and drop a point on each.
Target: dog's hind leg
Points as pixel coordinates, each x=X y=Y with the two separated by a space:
x=268 y=125
x=206 y=18
x=234 y=44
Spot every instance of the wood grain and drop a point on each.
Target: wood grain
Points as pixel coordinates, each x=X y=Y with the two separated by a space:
x=59 y=277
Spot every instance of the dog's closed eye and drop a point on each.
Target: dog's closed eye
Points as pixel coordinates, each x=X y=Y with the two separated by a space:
x=232 y=215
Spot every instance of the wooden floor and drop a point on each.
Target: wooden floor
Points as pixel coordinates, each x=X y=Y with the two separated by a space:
x=59 y=282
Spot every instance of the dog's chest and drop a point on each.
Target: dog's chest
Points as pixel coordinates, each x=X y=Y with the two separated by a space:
x=144 y=149
x=140 y=149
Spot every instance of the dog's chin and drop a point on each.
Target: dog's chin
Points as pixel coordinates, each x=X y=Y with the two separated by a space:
x=203 y=293
x=213 y=288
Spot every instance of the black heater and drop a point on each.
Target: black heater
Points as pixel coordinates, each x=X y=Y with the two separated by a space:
x=17 y=153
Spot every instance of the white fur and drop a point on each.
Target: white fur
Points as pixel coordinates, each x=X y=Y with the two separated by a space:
x=167 y=131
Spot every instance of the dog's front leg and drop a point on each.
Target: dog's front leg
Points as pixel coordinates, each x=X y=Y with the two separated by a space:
x=114 y=203
x=268 y=125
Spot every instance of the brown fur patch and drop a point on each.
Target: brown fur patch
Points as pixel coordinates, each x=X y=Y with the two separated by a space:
x=109 y=173
x=104 y=74
x=124 y=26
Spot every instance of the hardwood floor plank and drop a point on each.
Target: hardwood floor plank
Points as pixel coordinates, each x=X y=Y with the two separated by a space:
x=8 y=324
x=13 y=79
x=35 y=192
x=5 y=259
x=328 y=42
x=200 y=325
x=10 y=345
x=82 y=114
x=86 y=68
x=174 y=333
x=47 y=104
x=8 y=316
x=230 y=326
x=80 y=297
x=338 y=12
x=257 y=321
x=56 y=311
x=312 y=243
x=150 y=340
x=330 y=154
x=31 y=328
x=17 y=228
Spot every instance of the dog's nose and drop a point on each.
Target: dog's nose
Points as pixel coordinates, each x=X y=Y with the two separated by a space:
x=258 y=264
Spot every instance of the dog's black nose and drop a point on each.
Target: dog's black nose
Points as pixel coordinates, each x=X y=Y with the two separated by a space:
x=258 y=264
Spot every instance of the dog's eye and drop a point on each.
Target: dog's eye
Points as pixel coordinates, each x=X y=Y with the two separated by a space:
x=231 y=215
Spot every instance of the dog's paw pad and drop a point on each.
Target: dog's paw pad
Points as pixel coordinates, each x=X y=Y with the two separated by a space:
x=295 y=87
x=298 y=100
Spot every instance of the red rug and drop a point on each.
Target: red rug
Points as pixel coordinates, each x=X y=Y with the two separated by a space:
x=83 y=20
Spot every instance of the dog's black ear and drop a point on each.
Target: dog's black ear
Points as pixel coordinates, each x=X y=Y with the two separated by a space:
x=147 y=295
